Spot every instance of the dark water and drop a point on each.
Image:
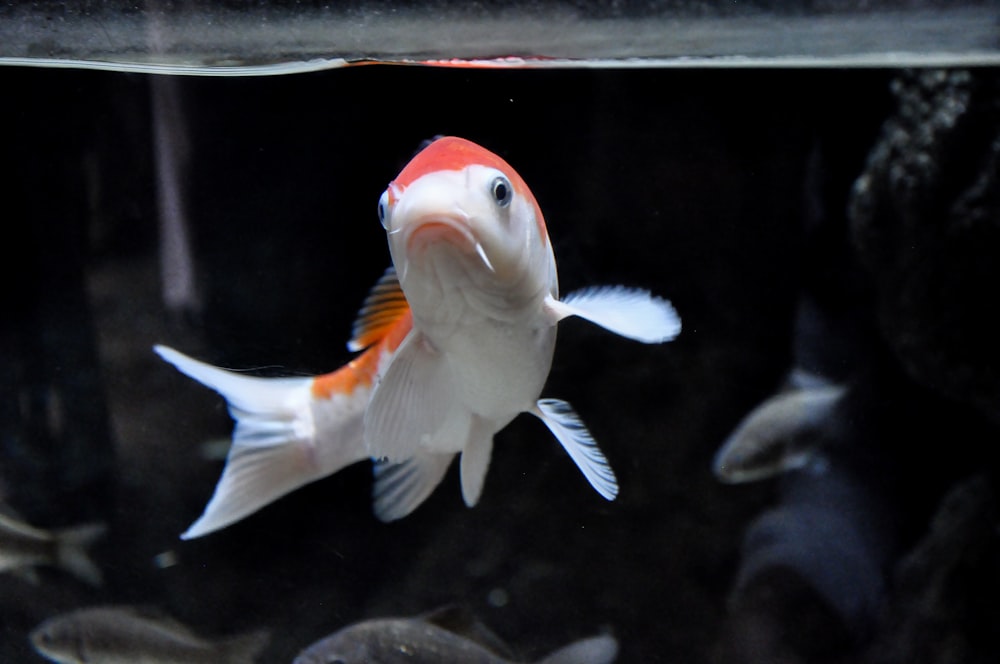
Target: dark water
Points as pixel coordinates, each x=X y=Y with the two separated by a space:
x=727 y=191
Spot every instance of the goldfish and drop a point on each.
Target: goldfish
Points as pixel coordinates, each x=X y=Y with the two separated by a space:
x=455 y=340
x=23 y=546
x=129 y=635
x=437 y=639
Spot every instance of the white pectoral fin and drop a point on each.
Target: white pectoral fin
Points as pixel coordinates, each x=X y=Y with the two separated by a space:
x=409 y=403
x=401 y=487
x=573 y=435
x=629 y=312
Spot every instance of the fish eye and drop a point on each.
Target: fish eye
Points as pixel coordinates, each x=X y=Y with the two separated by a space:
x=502 y=191
x=383 y=210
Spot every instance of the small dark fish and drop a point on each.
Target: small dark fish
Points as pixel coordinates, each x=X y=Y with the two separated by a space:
x=128 y=635
x=23 y=546
x=783 y=433
x=421 y=641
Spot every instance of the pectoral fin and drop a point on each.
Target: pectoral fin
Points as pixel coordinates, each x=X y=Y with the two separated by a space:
x=572 y=434
x=409 y=403
x=630 y=312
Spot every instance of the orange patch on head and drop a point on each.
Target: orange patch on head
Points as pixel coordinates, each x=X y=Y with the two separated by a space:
x=451 y=153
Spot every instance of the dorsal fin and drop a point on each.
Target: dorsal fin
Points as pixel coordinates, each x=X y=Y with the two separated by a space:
x=459 y=620
x=384 y=305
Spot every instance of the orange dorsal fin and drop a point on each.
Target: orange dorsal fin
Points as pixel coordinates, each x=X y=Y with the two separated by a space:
x=383 y=307
x=361 y=371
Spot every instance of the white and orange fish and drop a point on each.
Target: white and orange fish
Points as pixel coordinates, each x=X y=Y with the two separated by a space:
x=458 y=340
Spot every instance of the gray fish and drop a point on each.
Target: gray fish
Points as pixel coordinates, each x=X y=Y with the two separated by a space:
x=129 y=635
x=422 y=641
x=783 y=433
x=23 y=546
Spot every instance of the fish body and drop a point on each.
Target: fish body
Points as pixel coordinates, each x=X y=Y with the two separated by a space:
x=457 y=340
x=126 y=635
x=784 y=433
x=417 y=641
x=22 y=547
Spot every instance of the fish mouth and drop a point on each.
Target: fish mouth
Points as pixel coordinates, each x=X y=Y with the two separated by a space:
x=452 y=230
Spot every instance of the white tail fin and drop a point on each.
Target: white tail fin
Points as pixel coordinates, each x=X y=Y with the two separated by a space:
x=572 y=434
x=254 y=477
x=630 y=312
x=268 y=411
x=275 y=448
x=71 y=551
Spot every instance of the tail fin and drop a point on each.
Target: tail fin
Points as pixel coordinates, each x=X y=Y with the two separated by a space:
x=245 y=648
x=268 y=411
x=71 y=551
x=595 y=650
x=275 y=448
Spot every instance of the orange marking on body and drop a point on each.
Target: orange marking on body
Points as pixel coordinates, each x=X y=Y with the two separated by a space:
x=361 y=371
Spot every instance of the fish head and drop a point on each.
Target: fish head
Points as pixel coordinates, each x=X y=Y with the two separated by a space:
x=59 y=640
x=458 y=211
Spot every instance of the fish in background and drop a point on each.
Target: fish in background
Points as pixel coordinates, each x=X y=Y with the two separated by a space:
x=785 y=432
x=457 y=340
x=23 y=546
x=438 y=638
x=811 y=575
x=131 y=635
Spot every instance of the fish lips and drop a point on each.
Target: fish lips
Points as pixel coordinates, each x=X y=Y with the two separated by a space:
x=452 y=230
